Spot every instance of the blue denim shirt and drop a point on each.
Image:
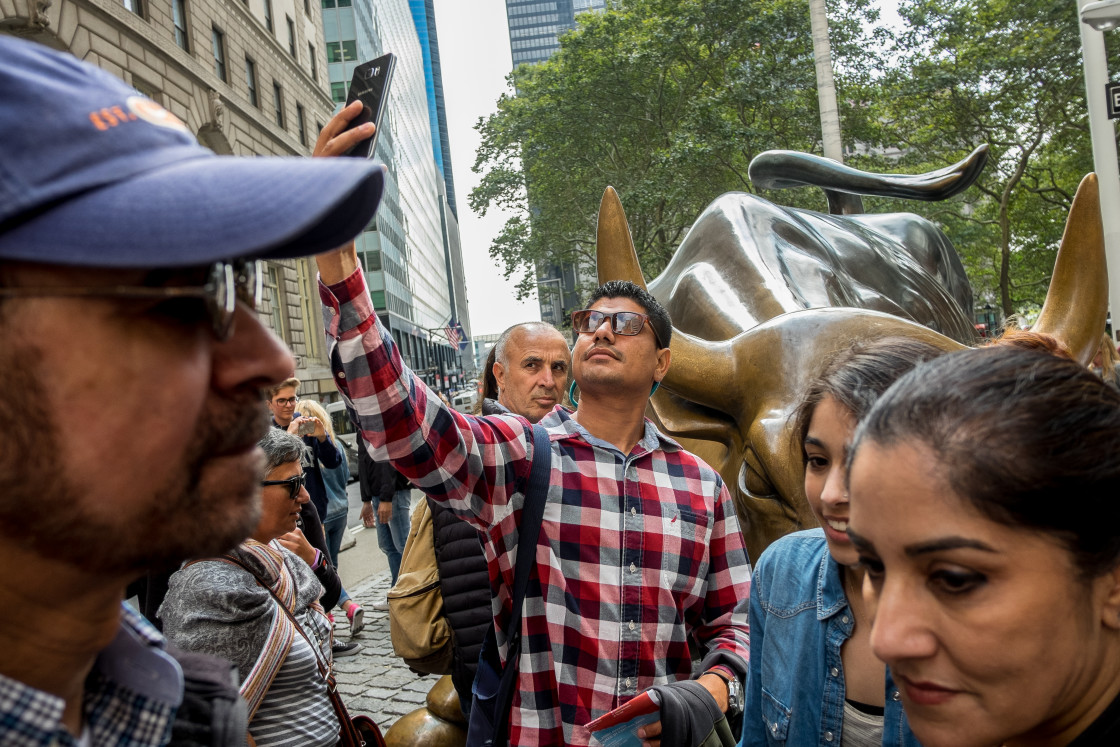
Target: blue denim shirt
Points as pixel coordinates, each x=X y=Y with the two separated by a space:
x=799 y=619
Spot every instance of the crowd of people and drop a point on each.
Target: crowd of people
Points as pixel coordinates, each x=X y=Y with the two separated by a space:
x=963 y=587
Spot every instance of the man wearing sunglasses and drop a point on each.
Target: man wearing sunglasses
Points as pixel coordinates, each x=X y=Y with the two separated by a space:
x=640 y=553
x=127 y=276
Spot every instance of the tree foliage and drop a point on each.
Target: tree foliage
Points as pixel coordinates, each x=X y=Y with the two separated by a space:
x=665 y=100
x=1003 y=72
x=669 y=100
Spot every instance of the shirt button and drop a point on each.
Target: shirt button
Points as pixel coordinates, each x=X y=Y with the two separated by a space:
x=330 y=310
x=828 y=736
x=628 y=682
x=341 y=374
x=633 y=568
x=633 y=511
x=774 y=729
x=895 y=695
x=632 y=626
x=834 y=672
x=845 y=619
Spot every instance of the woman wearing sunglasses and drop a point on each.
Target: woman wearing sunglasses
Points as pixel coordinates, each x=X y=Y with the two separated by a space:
x=230 y=607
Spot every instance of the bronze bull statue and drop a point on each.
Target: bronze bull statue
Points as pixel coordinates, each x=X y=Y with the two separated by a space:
x=763 y=296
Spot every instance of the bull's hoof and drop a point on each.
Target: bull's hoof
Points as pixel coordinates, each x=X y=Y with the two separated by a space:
x=439 y=724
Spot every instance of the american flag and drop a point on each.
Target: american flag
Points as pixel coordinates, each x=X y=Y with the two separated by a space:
x=455 y=335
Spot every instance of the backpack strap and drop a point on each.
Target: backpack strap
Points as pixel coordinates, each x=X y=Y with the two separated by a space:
x=532 y=513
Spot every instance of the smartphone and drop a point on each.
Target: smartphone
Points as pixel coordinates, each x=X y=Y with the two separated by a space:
x=370 y=85
x=306 y=428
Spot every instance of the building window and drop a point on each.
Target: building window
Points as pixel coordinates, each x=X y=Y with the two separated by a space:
x=251 y=80
x=136 y=6
x=307 y=7
x=268 y=15
x=278 y=102
x=338 y=92
x=314 y=62
x=346 y=51
x=300 y=125
x=277 y=305
x=179 y=21
x=218 y=45
x=291 y=36
x=328 y=3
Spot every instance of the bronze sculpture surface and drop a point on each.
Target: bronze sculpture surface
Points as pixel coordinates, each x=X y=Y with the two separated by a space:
x=761 y=297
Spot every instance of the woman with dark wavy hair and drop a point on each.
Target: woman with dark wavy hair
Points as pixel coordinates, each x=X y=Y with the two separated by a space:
x=985 y=494
x=812 y=677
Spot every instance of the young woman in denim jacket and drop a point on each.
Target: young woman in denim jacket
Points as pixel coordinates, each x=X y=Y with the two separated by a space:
x=813 y=678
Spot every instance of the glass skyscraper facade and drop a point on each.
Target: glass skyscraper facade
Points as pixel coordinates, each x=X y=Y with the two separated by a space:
x=403 y=252
x=535 y=25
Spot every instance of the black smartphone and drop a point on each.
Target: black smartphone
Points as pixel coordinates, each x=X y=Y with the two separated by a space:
x=370 y=85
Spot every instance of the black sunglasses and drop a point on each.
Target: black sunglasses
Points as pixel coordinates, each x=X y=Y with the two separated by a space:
x=586 y=321
x=294 y=484
x=226 y=284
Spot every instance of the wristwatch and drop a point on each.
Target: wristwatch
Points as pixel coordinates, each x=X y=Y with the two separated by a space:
x=734 y=693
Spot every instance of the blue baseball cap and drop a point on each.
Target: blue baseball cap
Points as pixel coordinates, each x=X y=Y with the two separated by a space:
x=93 y=174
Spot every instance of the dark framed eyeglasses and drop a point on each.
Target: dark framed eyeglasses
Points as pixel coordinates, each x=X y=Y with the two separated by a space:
x=294 y=484
x=586 y=321
x=226 y=284
x=286 y=401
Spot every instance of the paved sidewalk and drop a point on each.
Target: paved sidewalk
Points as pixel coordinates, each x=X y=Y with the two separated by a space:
x=374 y=681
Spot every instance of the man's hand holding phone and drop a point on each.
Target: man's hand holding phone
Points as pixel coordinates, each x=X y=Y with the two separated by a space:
x=335 y=139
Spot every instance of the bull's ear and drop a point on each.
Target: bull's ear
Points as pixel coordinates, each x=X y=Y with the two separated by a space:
x=614 y=250
x=1077 y=301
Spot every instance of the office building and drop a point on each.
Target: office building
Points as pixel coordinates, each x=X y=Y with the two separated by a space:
x=404 y=252
x=536 y=25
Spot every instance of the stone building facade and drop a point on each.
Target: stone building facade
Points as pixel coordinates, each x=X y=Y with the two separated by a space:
x=248 y=78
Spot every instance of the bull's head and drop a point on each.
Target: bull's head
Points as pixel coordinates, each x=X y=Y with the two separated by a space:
x=730 y=393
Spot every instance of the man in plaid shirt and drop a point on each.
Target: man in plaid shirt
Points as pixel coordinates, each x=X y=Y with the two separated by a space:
x=640 y=551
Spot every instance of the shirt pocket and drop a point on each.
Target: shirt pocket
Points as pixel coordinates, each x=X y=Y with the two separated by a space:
x=684 y=548
x=775 y=715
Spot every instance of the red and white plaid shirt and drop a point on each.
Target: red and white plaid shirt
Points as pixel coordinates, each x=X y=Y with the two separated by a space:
x=637 y=554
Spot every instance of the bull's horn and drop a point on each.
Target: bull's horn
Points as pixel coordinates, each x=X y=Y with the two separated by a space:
x=695 y=363
x=1077 y=301
x=701 y=371
x=614 y=251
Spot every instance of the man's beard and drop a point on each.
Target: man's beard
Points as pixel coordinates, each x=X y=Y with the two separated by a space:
x=194 y=514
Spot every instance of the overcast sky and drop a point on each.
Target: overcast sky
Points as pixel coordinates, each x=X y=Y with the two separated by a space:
x=475 y=57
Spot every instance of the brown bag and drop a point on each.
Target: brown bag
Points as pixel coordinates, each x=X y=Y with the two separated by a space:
x=420 y=632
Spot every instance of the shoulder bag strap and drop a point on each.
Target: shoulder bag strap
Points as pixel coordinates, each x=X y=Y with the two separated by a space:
x=324 y=670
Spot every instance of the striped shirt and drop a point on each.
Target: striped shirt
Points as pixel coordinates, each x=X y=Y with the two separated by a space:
x=638 y=554
x=296 y=711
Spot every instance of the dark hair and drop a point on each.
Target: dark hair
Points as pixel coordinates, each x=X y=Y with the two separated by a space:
x=858 y=376
x=1029 y=439
x=659 y=319
x=489 y=382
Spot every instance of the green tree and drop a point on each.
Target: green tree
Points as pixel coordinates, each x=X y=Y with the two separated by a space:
x=1003 y=72
x=665 y=100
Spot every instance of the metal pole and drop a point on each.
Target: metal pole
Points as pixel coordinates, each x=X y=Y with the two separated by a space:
x=1103 y=135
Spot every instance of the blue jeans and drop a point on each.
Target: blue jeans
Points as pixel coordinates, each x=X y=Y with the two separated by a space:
x=334 y=528
x=391 y=537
